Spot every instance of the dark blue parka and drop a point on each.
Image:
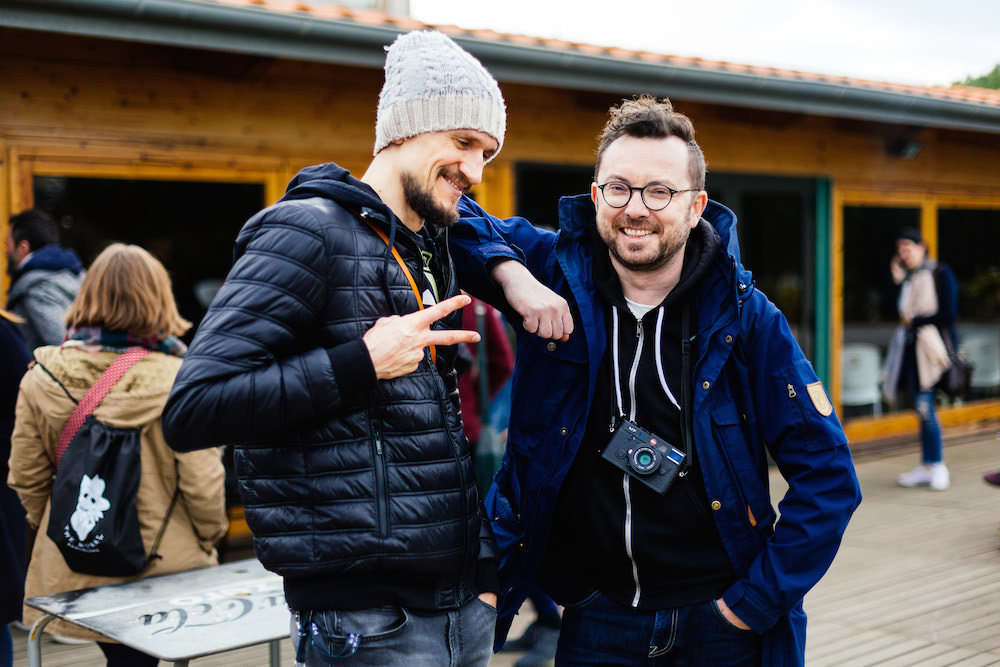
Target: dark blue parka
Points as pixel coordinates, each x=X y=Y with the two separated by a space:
x=360 y=493
x=754 y=392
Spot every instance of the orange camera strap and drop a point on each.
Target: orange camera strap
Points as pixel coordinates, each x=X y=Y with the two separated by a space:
x=406 y=272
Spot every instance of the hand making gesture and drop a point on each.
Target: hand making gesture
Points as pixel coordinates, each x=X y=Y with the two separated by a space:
x=396 y=343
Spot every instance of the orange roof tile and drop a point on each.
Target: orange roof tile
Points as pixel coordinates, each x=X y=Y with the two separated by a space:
x=959 y=93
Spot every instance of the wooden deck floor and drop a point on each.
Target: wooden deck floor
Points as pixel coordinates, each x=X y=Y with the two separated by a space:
x=917 y=581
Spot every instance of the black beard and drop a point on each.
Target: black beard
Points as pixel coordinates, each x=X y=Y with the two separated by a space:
x=423 y=204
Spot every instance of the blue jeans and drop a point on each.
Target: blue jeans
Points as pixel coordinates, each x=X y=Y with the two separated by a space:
x=600 y=631
x=930 y=429
x=396 y=636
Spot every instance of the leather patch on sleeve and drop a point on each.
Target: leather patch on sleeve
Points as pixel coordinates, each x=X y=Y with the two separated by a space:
x=819 y=399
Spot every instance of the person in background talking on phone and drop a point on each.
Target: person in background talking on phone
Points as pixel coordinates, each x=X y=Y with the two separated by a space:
x=327 y=358
x=917 y=356
x=679 y=349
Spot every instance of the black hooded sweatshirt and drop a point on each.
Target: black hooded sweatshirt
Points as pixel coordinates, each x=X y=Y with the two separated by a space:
x=618 y=536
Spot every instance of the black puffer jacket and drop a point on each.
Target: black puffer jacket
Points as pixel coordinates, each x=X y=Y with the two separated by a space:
x=359 y=492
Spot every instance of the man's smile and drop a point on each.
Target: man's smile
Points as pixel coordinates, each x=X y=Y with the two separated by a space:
x=457 y=183
x=636 y=233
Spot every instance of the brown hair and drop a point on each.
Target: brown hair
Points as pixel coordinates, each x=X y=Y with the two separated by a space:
x=7 y=315
x=127 y=289
x=646 y=116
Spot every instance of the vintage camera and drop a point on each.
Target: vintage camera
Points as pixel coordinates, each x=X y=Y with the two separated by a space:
x=644 y=456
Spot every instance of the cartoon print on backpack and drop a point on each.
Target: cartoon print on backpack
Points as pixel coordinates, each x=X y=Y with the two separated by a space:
x=90 y=509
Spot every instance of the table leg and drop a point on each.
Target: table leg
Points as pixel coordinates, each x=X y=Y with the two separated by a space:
x=35 y=640
x=181 y=663
x=274 y=651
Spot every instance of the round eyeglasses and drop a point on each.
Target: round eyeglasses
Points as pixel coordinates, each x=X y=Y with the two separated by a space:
x=655 y=196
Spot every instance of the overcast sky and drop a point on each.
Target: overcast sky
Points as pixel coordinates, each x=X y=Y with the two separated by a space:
x=903 y=41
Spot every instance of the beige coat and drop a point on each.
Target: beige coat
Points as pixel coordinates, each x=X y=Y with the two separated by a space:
x=918 y=297
x=199 y=517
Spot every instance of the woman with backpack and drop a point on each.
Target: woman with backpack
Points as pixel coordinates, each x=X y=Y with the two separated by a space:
x=124 y=316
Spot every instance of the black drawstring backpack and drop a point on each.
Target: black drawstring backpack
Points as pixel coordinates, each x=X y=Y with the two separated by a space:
x=92 y=516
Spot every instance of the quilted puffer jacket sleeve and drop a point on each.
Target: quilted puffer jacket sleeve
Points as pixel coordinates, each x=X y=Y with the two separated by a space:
x=256 y=369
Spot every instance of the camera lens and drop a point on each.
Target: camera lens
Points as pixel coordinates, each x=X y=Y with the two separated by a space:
x=644 y=460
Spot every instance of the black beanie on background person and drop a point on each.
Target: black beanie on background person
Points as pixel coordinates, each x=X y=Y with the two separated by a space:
x=910 y=234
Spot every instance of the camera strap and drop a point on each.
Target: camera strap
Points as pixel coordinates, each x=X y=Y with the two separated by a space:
x=686 y=406
x=687 y=378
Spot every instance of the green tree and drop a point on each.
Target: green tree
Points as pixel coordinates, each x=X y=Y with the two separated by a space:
x=989 y=80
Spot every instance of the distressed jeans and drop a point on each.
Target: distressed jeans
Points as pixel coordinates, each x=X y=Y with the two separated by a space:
x=601 y=631
x=395 y=636
x=932 y=450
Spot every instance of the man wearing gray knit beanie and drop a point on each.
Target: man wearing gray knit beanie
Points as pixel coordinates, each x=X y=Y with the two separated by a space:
x=328 y=359
x=431 y=85
x=440 y=119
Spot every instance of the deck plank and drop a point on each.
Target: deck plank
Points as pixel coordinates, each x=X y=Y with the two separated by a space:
x=917 y=581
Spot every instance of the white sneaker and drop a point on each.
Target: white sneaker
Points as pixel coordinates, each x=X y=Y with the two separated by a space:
x=940 y=479
x=934 y=475
x=919 y=476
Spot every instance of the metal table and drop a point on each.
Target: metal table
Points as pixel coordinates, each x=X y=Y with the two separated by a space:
x=177 y=617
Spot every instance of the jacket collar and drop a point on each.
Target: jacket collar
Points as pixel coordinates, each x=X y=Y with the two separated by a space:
x=51 y=258
x=333 y=182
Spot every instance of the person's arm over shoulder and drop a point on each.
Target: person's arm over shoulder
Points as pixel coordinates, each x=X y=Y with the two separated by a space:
x=508 y=264
x=477 y=244
x=250 y=373
x=795 y=418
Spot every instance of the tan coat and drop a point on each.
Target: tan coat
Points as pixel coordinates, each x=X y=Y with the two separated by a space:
x=199 y=517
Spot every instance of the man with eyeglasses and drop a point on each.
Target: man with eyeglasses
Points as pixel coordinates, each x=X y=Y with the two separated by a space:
x=635 y=490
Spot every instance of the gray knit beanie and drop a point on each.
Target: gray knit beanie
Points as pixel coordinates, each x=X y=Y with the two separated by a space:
x=432 y=84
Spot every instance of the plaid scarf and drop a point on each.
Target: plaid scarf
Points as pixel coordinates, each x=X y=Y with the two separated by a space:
x=119 y=341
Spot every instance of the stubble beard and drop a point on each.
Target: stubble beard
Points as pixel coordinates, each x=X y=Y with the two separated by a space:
x=669 y=248
x=424 y=204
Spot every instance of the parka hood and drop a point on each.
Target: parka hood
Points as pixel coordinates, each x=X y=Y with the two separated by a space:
x=52 y=263
x=137 y=399
x=53 y=258
x=331 y=181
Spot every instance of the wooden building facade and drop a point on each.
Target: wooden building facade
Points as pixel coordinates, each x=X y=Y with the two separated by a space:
x=169 y=122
